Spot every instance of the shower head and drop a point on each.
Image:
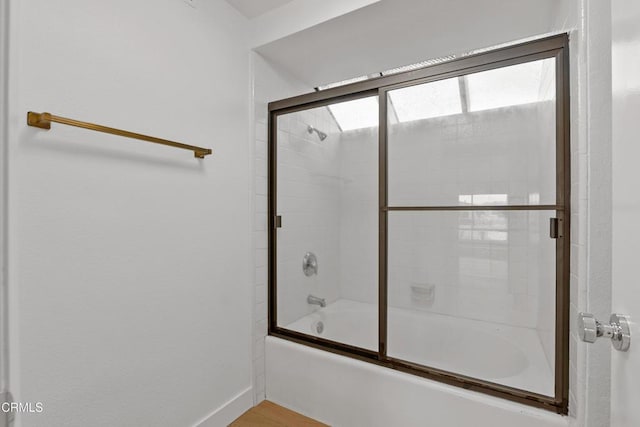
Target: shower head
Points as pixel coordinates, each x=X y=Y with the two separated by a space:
x=321 y=134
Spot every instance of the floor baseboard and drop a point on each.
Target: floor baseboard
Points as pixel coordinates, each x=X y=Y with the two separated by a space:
x=228 y=412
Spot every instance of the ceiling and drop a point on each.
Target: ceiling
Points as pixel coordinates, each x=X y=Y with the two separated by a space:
x=393 y=33
x=254 y=8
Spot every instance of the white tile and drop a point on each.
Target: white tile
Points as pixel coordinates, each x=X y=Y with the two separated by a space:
x=260 y=222
x=258 y=364
x=261 y=131
x=261 y=311
x=261 y=204
x=261 y=293
x=261 y=257
x=261 y=185
x=261 y=150
x=261 y=275
x=260 y=328
x=260 y=383
x=260 y=239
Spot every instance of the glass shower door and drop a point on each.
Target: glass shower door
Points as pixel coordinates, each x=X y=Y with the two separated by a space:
x=327 y=243
x=471 y=198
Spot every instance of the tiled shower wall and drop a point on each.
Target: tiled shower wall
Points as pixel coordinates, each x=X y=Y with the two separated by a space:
x=504 y=152
x=309 y=204
x=359 y=215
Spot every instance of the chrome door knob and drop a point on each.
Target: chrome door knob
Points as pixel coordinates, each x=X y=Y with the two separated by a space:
x=590 y=328
x=587 y=327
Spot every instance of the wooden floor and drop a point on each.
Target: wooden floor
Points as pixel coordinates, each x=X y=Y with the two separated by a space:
x=271 y=415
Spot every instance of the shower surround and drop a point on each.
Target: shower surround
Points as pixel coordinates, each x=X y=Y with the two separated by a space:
x=331 y=186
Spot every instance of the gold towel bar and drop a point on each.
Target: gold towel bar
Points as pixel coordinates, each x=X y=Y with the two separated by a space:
x=43 y=121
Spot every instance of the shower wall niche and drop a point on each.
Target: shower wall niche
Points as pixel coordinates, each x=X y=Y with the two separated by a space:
x=437 y=207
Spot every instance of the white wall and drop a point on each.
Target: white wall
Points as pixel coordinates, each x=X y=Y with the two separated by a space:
x=404 y=31
x=298 y=15
x=625 y=366
x=129 y=263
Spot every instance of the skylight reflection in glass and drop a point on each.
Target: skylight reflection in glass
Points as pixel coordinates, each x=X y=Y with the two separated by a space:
x=434 y=99
x=356 y=114
x=514 y=85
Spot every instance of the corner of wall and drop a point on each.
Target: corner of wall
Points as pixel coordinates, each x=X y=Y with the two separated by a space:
x=268 y=84
x=230 y=411
x=590 y=366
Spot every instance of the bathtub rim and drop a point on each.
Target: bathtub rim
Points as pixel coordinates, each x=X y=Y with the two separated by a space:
x=431 y=373
x=535 y=373
x=291 y=374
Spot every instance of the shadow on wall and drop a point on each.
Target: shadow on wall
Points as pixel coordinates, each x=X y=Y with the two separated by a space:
x=110 y=148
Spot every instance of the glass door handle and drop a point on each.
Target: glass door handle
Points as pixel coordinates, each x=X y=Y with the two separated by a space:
x=590 y=329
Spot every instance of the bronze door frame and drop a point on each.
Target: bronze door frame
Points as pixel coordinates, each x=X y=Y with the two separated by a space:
x=550 y=47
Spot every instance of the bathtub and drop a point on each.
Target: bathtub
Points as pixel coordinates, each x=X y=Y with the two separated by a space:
x=341 y=391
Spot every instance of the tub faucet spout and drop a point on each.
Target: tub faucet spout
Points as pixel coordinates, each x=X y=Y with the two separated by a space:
x=313 y=300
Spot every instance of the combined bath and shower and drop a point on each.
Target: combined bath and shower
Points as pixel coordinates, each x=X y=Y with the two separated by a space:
x=321 y=134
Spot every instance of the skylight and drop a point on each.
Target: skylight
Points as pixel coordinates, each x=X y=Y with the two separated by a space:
x=434 y=99
x=357 y=114
x=502 y=87
x=514 y=85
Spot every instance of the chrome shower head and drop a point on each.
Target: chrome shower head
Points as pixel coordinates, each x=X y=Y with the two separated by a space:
x=321 y=134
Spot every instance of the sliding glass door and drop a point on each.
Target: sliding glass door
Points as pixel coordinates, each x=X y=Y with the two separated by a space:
x=420 y=221
x=471 y=196
x=327 y=236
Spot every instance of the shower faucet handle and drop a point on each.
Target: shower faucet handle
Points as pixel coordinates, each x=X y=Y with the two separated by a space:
x=309 y=264
x=590 y=329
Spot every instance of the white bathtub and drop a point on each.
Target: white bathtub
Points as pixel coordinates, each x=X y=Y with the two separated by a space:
x=345 y=392
x=494 y=352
